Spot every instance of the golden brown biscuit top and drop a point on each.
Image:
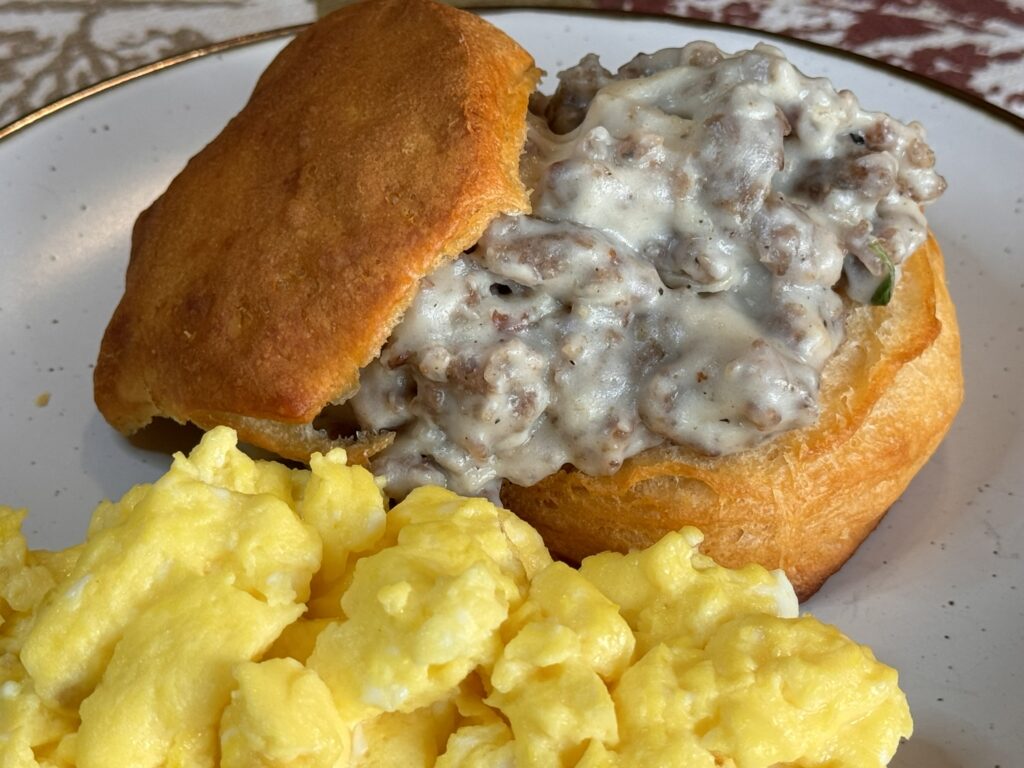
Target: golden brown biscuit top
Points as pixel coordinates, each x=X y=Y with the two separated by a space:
x=381 y=141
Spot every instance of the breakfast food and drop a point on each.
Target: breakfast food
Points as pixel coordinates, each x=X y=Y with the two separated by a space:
x=242 y=613
x=379 y=143
x=805 y=501
x=705 y=291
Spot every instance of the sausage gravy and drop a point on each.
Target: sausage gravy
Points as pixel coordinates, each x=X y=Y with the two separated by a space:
x=700 y=223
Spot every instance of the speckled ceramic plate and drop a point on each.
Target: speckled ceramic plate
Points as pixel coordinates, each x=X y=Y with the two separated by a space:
x=937 y=590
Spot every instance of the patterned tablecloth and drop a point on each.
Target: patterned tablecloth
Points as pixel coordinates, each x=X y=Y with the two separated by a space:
x=50 y=48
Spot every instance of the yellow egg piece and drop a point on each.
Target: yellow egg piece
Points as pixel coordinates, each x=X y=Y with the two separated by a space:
x=280 y=716
x=422 y=613
x=171 y=675
x=409 y=739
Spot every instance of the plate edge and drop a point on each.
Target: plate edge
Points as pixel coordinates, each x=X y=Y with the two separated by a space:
x=146 y=69
x=583 y=7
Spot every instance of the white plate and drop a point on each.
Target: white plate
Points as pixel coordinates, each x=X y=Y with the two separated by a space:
x=937 y=590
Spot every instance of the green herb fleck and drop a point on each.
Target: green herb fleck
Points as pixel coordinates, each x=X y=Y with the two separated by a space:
x=883 y=293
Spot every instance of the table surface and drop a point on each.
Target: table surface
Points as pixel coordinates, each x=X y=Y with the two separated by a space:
x=51 y=48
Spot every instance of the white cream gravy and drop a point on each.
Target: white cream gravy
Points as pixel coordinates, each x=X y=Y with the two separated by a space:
x=698 y=219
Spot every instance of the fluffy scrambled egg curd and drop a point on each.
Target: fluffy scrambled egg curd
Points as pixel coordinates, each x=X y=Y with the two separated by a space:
x=241 y=613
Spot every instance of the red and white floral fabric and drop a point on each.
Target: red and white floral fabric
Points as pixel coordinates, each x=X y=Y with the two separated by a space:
x=49 y=48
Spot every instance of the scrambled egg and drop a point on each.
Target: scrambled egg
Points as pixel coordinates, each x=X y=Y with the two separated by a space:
x=241 y=613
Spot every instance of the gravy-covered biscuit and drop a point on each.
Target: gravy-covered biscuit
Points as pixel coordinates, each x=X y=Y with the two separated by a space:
x=805 y=501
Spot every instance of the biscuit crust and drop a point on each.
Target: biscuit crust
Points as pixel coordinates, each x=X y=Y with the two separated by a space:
x=379 y=143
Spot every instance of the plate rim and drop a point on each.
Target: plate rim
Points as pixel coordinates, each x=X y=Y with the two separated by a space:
x=571 y=6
